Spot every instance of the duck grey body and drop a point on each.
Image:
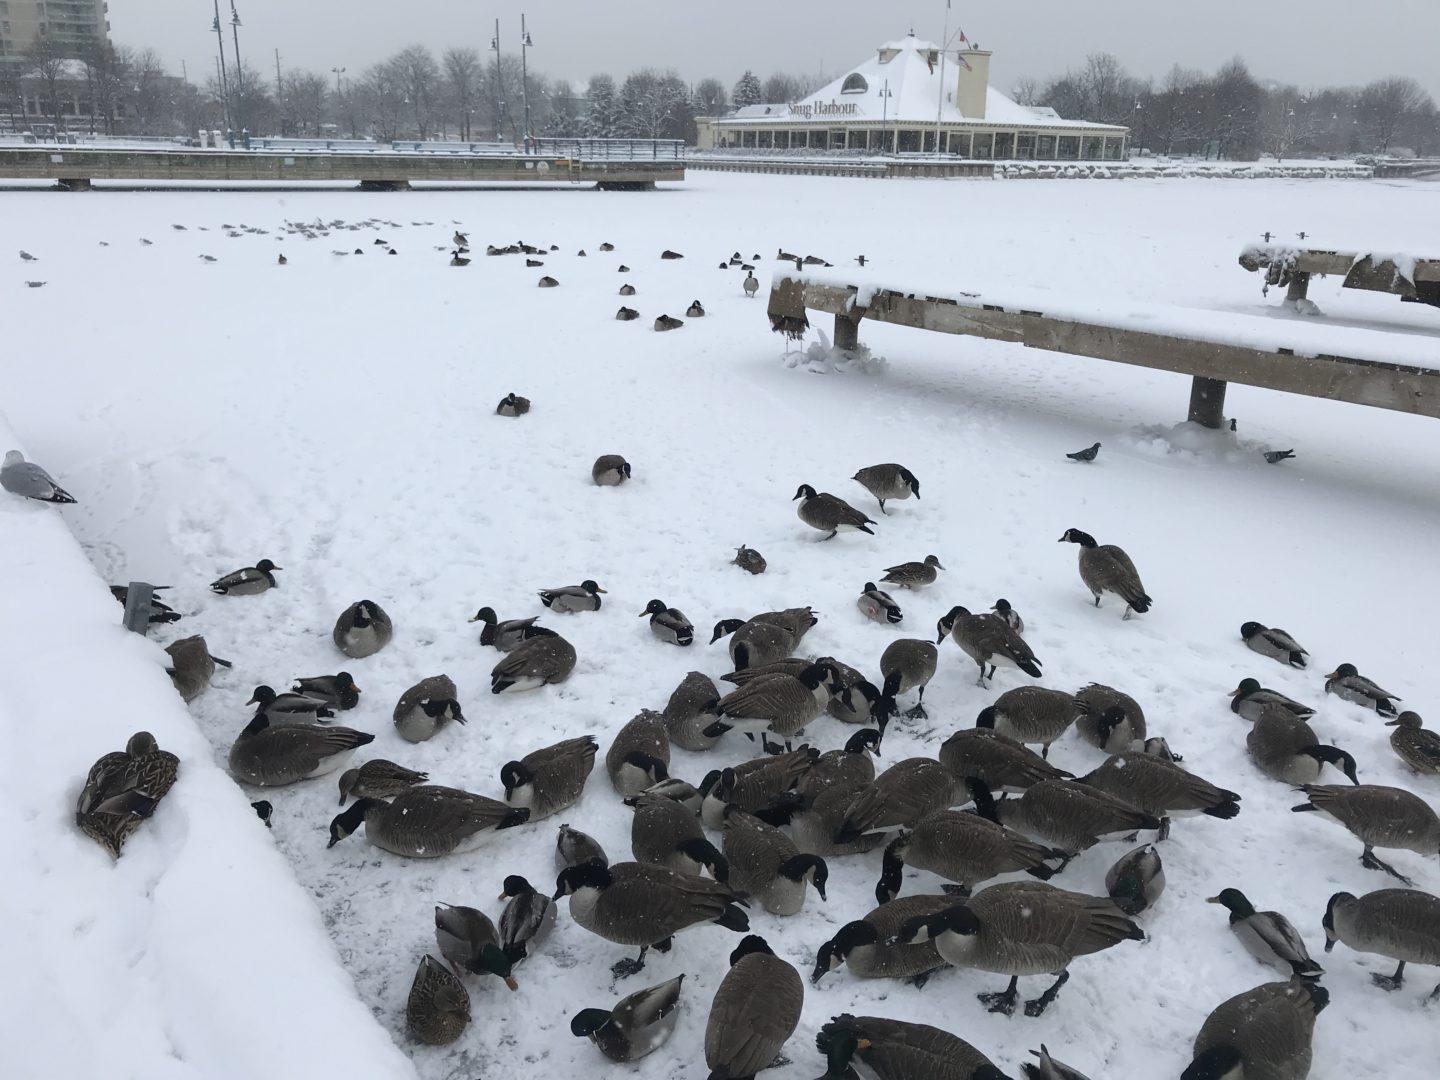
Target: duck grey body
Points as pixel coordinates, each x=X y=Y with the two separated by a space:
x=1250 y=699
x=247 y=581
x=1348 y=684
x=363 y=629
x=568 y=599
x=1274 y=643
x=638 y=1025
x=527 y=920
x=506 y=635
x=1268 y=936
x=573 y=847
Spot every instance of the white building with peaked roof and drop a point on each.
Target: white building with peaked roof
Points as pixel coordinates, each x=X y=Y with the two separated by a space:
x=912 y=98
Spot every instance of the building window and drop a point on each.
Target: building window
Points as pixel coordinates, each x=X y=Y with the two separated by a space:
x=1093 y=148
x=1069 y=148
x=982 y=145
x=1025 y=146
x=854 y=84
x=1045 y=147
x=909 y=142
x=1004 y=146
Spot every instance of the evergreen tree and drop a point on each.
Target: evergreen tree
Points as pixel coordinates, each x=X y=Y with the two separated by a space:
x=603 y=116
x=748 y=91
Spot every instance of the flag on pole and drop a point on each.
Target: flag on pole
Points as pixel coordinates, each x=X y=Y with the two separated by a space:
x=963 y=37
x=930 y=63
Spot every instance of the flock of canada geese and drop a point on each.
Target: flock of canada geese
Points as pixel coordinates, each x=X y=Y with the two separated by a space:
x=761 y=830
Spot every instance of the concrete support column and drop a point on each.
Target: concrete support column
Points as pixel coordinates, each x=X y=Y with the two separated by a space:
x=1207 y=401
x=74 y=183
x=847 y=333
x=1299 y=283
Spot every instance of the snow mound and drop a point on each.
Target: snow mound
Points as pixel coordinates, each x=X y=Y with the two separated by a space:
x=823 y=358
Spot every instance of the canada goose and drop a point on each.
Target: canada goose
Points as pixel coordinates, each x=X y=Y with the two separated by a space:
x=378 y=779
x=909 y=664
x=1417 y=746
x=663 y=832
x=1162 y=788
x=1136 y=880
x=1377 y=816
x=270 y=756
x=888 y=481
x=191 y=666
x=668 y=254
x=829 y=514
x=122 y=789
x=868 y=947
x=749 y=560
x=849 y=767
x=1008 y=615
x=695 y=311
x=1000 y=762
x=755 y=1010
x=547 y=282
x=288 y=708
x=438 y=1008
x=898 y=1050
x=633 y=904
x=568 y=599
x=538 y=262
x=247 y=581
x=534 y=663
x=775 y=704
x=1031 y=714
x=1068 y=814
x=638 y=1024
x=363 y=629
x=607 y=247
x=527 y=919
x=623 y=269
x=1347 y=683
x=669 y=624
x=157 y=610
x=791 y=665
x=766 y=865
x=914 y=575
x=460 y=239
x=639 y=755
x=751 y=284
x=1268 y=936
x=427 y=821
x=513 y=404
x=626 y=314
x=1047 y=1068
x=1263 y=1033
x=25 y=478
x=1274 y=643
x=1023 y=930
x=689 y=711
x=815 y=821
x=1106 y=568
x=1403 y=924
x=468 y=940
x=1157 y=746
x=337 y=691
x=1088 y=454
x=781 y=255
x=456 y=259
x=1250 y=699
x=677 y=790
x=986 y=640
x=667 y=322
x=265 y=811
x=900 y=796
x=627 y=289
x=610 y=470
x=752 y=785
x=549 y=780
x=573 y=847
x=1287 y=749
x=966 y=849
x=427 y=707
x=1109 y=719
x=755 y=644
x=506 y=635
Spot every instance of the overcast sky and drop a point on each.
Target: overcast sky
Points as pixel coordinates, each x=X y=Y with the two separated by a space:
x=1318 y=42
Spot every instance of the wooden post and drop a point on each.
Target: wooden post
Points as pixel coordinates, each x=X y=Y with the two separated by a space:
x=137 y=606
x=1299 y=283
x=847 y=333
x=1207 y=402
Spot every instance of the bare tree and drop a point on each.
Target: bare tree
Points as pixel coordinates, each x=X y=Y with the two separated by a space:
x=711 y=98
x=781 y=88
x=418 y=77
x=47 y=61
x=148 y=98
x=1386 y=106
x=107 y=73
x=1026 y=91
x=303 y=100
x=463 y=74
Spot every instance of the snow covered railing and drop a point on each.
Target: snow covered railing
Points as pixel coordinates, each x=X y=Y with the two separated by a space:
x=1410 y=277
x=1364 y=366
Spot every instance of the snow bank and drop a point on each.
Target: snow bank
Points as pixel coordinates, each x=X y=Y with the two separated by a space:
x=195 y=955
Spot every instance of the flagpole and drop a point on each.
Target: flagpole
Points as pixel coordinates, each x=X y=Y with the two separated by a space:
x=940 y=97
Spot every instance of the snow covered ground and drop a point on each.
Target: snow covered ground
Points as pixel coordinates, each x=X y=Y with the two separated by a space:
x=334 y=415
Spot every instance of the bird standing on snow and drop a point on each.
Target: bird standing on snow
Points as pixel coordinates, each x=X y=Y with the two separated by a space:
x=1088 y=454
x=1106 y=568
x=751 y=285
x=986 y=639
x=829 y=514
x=25 y=478
x=1403 y=924
x=888 y=481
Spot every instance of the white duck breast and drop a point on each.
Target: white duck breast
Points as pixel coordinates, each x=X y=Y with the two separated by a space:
x=247 y=581
x=878 y=605
x=669 y=624
x=568 y=599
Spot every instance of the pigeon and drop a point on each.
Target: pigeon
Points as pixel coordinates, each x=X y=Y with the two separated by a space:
x=1232 y=423
x=1274 y=457
x=21 y=477
x=28 y=257
x=1088 y=454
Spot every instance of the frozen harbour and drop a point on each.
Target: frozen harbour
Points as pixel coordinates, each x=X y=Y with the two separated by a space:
x=335 y=415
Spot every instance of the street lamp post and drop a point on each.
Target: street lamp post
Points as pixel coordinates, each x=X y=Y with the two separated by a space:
x=239 y=72
x=525 y=80
x=499 y=86
x=224 y=82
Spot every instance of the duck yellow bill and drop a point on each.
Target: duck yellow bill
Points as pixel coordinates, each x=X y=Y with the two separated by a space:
x=511 y=983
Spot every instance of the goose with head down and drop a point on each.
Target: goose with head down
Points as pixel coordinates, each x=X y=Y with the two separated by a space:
x=829 y=513
x=755 y=1010
x=1402 y=924
x=1263 y=1033
x=888 y=481
x=884 y=1049
x=987 y=640
x=427 y=821
x=1378 y=816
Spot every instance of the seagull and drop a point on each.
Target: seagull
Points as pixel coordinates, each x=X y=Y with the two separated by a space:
x=28 y=257
x=1274 y=457
x=1088 y=454
x=147 y=243
x=209 y=258
x=34 y=284
x=21 y=477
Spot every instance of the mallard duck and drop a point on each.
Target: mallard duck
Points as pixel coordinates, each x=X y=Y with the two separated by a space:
x=630 y=903
x=876 y=604
x=914 y=575
x=986 y=640
x=1268 y=936
x=534 y=663
x=1068 y=814
x=1106 y=568
x=963 y=848
x=338 y=691
x=888 y=481
x=1345 y=682
x=755 y=1010
x=269 y=756
x=467 y=939
x=752 y=785
x=1002 y=610
x=1287 y=749
x=573 y=847
x=1403 y=924
x=669 y=624
x=362 y=629
x=1161 y=787
x=513 y=404
x=122 y=789
x=1378 y=816
x=547 y=282
x=549 y=780
x=766 y=865
x=568 y=599
x=900 y=796
x=527 y=919
x=427 y=821
x=438 y=1008
x=1031 y=714
x=264 y=810
x=639 y=755
x=378 y=779
x=689 y=711
x=248 y=580
x=191 y=666
x=1417 y=746
x=1264 y=1032
x=898 y=1050
x=1136 y=880
x=829 y=514
x=1274 y=643
x=1109 y=719
x=610 y=470
x=25 y=478
x=637 y=1025
x=749 y=560
x=289 y=708
x=1000 y=762
x=1250 y=699
x=869 y=949
x=695 y=311
x=607 y=246
x=506 y=635
x=664 y=832
x=427 y=707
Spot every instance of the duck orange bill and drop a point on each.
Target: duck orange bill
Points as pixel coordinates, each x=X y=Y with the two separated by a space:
x=511 y=983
